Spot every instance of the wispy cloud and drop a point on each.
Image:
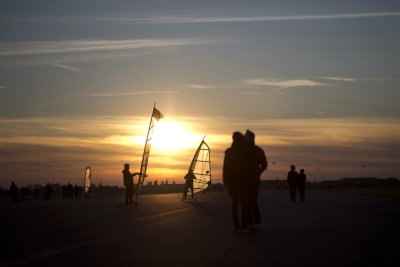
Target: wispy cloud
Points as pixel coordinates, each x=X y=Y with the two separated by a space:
x=343 y=79
x=62 y=66
x=79 y=46
x=204 y=86
x=2 y=87
x=282 y=83
x=184 y=89
x=187 y=19
x=181 y=19
x=147 y=92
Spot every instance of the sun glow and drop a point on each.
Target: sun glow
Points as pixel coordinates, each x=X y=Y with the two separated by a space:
x=170 y=136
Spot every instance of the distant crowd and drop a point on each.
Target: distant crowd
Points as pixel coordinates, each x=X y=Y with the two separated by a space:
x=20 y=194
x=70 y=191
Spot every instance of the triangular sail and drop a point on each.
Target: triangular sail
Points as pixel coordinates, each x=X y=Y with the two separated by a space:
x=156 y=114
x=88 y=180
x=201 y=168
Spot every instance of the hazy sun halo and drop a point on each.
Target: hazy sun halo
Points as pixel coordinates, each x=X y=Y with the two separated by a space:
x=170 y=136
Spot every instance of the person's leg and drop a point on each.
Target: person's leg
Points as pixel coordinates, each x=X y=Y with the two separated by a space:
x=191 y=190
x=255 y=206
x=185 y=190
x=246 y=205
x=290 y=192
x=294 y=192
x=235 y=209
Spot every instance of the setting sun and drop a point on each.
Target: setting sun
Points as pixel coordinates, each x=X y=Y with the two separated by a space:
x=169 y=136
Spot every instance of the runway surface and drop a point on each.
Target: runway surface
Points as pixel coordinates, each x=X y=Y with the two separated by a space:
x=329 y=229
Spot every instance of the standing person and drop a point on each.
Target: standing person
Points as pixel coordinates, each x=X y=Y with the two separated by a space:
x=302 y=184
x=128 y=183
x=14 y=192
x=189 y=177
x=24 y=192
x=257 y=165
x=48 y=191
x=234 y=175
x=292 y=180
x=37 y=193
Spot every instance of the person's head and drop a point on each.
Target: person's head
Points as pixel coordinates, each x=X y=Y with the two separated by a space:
x=292 y=167
x=302 y=171
x=126 y=166
x=249 y=136
x=237 y=137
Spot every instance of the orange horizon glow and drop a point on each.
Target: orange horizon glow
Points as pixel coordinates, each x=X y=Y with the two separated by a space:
x=59 y=149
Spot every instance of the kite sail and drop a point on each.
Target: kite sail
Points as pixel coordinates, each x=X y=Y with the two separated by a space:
x=157 y=115
x=87 y=185
x=201 y=168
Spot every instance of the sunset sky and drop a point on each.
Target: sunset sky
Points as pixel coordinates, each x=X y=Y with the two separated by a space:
x=317 y=81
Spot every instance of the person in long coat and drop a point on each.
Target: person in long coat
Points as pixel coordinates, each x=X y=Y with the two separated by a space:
x=234 y=175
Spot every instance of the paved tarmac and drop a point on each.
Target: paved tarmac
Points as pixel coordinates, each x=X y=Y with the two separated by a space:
x=329 y=229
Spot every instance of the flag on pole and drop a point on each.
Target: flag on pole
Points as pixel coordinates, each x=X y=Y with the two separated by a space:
x=157 y=114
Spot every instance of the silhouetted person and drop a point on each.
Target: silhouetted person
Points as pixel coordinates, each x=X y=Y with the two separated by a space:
x=24 y=192
x=48 y=191
x=292 y=180
x=37 y=193
x=76 y=191
x=234 y=175
x=80 y=189
x=301 y=183
x=128 y=183
x=257 y=164
x=14 y=192
x=219 y=187
x=64 y=191
x=189 y=177
x=70 y=191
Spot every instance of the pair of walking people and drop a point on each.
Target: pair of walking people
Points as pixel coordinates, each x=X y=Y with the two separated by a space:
x=244 y=163
x=296 y=181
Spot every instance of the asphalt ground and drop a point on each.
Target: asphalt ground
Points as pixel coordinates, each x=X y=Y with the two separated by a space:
x=329 y=229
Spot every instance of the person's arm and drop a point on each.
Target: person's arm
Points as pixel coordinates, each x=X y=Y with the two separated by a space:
x=263 y=163
x=226 y=169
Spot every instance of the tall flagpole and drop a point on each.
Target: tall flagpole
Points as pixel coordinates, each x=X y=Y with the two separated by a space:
x=145 y=157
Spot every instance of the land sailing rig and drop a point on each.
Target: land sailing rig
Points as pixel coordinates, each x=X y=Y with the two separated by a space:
x=157 y=115
x=201 y=168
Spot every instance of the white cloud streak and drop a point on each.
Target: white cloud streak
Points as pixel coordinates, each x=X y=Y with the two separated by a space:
x=186 y=19
x=342 y=79
x=62 y=66
x=204 y=86
x=79 y=46
x=2 y=87
x=149 y=92
x=282 y=83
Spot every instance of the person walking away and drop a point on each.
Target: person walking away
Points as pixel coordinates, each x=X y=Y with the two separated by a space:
x=292 y=179
x=128 y=183
x=302 y=184
x=234 y=174
x=189 y=177
x=257 y=165
x=48 y=191
x=14 y=192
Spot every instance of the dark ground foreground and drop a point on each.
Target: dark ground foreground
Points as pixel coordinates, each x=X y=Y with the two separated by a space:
x=330 y=229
